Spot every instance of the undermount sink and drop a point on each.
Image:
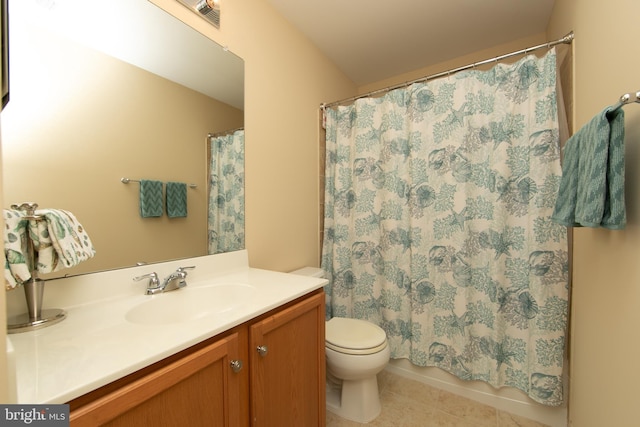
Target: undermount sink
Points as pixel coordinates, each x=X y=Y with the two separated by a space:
x=190 y=303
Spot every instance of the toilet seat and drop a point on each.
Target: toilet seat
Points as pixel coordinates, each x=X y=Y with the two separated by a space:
x=354 y=336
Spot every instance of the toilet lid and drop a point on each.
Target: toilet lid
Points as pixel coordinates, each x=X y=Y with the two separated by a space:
x=354 y=336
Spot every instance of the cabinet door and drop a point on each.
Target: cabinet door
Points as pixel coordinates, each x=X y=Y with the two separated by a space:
x=288 y=366
x=200 y=389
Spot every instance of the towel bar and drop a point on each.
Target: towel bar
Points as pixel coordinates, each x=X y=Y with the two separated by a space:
x=625 y=99
x=127 y=180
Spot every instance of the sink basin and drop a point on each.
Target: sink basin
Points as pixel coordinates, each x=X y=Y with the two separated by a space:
x=190 y=303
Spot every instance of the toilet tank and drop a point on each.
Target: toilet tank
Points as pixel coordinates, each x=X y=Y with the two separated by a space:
x=309 y=271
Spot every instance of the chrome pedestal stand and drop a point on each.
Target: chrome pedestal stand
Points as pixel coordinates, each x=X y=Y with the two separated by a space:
x=35 y=317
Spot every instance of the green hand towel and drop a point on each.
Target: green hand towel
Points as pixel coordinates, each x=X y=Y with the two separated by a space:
x=176 y=199
x=591 y=191
x=151 y=203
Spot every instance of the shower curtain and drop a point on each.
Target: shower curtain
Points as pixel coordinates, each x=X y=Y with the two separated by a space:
x=226 y=193
x=437 y=224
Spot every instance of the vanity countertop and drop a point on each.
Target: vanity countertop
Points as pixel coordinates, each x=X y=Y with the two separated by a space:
x=96 y=344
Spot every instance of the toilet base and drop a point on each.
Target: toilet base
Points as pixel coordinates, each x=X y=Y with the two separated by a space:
x=357 y=401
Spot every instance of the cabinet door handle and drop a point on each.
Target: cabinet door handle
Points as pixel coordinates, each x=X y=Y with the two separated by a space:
x=236 y=365
x=262 y=350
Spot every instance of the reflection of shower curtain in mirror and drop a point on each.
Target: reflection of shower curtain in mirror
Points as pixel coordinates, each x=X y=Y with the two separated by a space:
x=438 y=226
x=226 y=193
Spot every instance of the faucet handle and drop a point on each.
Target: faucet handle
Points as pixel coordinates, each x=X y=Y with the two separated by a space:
x=154 y=282
x=153 y=286
x=184 y=269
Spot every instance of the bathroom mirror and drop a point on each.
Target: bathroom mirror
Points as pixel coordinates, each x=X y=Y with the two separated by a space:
x=106 y=90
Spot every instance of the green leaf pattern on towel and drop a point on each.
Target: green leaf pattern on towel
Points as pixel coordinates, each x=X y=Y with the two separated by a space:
x=59 y=241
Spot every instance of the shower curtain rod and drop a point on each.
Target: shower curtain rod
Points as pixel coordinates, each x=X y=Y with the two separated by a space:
x=564 y=40
x=224 y=133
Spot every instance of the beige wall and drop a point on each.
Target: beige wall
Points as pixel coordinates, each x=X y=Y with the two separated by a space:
x=286 y=80
x=68 y=138
x=605 y=372
x=4 y=392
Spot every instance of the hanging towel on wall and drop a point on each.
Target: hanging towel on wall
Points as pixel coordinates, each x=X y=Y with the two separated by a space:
x=591 y=191
x=151 y=203
x=176 y=196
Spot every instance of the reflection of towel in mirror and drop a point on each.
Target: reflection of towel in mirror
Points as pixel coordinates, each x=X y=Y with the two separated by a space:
x=591 y=192
x=151 y=203
x=59 y=241
x=176 y=199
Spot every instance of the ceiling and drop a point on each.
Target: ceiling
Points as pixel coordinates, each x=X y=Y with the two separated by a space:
x=371 y=40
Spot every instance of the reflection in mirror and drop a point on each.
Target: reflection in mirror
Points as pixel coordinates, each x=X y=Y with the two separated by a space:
x=226 y=191
x=133 y=93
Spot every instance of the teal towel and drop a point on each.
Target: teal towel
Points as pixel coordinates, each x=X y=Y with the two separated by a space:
x=176 y=199
x=591 y=191
x=151 y=203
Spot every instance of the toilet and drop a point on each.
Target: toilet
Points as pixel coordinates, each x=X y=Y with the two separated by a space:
x=356 y=351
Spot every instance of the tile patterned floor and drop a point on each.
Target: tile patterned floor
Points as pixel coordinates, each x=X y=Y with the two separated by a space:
x=409 y=403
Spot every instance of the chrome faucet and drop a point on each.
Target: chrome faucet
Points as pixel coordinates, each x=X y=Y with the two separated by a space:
x=175 y=280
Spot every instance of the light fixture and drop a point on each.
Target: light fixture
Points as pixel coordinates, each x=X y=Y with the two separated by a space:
x=210 y=9
x=207 y=9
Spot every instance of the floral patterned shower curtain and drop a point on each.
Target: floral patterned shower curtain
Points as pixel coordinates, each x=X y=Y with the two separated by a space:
x=226 y=193
x=437 y=224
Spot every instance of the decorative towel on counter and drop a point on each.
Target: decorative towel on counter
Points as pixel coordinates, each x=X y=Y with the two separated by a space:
x=16 y=270
x=176 y=195
x=591 y=191
x=59 y=241
x=151 y=203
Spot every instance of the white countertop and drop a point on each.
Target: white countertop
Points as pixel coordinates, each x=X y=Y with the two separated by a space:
x=96 y=345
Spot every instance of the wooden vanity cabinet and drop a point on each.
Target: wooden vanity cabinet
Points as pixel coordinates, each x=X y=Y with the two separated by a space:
x=196 y=389
x=287 y=360
x=204 y=386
